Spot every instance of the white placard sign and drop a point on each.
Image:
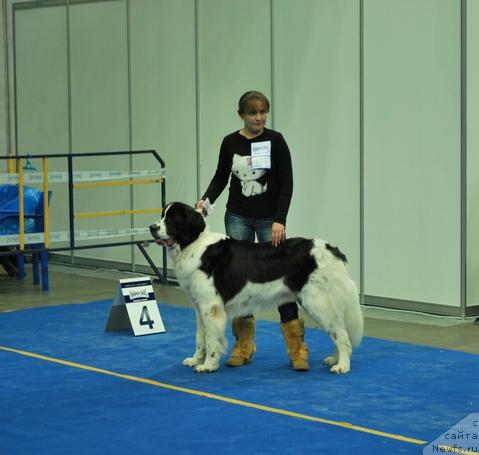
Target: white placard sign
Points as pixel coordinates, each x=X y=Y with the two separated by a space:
x=261 y=155
x=135 y=307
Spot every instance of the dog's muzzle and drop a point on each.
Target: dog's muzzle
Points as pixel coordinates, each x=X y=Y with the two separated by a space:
x=154 y=231
x=162 y=241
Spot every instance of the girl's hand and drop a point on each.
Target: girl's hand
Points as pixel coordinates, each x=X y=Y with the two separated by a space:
x=278 y=233
x=200 y=205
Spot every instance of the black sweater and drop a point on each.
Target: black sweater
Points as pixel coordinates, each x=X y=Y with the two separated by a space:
x=256 y=194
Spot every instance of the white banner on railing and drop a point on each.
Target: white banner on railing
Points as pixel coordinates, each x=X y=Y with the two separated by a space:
x=64 y=236
x=80 y=176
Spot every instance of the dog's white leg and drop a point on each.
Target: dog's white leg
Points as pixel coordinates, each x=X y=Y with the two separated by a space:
x=343 y=346
x=323 y=310
x=200 y=350
x=214 y=323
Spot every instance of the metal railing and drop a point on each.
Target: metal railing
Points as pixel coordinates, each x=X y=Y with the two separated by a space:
x=114 y=179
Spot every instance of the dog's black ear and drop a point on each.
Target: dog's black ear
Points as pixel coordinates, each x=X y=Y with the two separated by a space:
x=193 y=225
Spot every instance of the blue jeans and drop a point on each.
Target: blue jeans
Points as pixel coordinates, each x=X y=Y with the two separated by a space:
x=244 y=228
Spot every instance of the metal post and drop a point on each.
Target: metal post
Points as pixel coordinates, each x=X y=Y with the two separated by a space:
x=70 y=201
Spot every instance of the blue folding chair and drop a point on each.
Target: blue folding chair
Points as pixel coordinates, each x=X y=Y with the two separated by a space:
x=34 y=222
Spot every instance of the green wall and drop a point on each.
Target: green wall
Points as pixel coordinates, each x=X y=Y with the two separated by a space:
x=367 y=94
x=412 y=150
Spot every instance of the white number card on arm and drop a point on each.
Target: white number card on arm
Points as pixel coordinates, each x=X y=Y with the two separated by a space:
x=261 y=155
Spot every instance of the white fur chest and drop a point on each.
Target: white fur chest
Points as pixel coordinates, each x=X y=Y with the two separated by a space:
x=188 y=260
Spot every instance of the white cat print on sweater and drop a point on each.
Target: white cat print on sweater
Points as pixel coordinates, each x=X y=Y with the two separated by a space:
x=241 y=168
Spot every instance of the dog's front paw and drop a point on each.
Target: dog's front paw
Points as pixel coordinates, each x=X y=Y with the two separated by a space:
x=340 y=368
x=206 y=368
x=191 y=362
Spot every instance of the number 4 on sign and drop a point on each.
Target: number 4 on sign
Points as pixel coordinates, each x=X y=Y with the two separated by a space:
x=134 y=307
x=145 y=318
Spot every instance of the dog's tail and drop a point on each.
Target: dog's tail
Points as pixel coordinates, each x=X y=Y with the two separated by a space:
x=354 y=320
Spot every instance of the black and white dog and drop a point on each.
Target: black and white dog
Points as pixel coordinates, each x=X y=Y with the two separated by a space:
x=224 y=277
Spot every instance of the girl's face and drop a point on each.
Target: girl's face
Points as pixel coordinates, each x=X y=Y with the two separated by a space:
x=254 y=117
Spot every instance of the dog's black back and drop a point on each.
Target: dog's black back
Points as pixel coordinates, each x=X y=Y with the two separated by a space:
x=233 y=263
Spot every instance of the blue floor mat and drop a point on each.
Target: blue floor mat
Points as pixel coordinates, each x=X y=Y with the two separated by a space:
x=49 y=408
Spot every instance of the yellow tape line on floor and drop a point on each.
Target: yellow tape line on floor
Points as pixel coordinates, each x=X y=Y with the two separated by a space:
x=212 y=396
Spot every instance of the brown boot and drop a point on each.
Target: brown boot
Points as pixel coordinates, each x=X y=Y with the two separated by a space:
x=244 y=348
x=293 y=332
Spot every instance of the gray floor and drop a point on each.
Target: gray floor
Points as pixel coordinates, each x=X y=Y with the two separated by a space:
x=70 y=284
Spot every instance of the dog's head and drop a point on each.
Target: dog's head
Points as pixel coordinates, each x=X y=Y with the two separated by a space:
x=180 y=224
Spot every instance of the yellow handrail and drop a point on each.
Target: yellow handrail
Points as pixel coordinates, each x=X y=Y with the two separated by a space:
x=115 y=213
x=116 y=183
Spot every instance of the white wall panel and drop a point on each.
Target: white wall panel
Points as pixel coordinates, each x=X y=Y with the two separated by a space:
x=42 y=92
x=99 y=88
x=473 y=153
x=316 y=55
x=234 y=57
x=412 y=150
x=164 y=100
x=3 y=87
